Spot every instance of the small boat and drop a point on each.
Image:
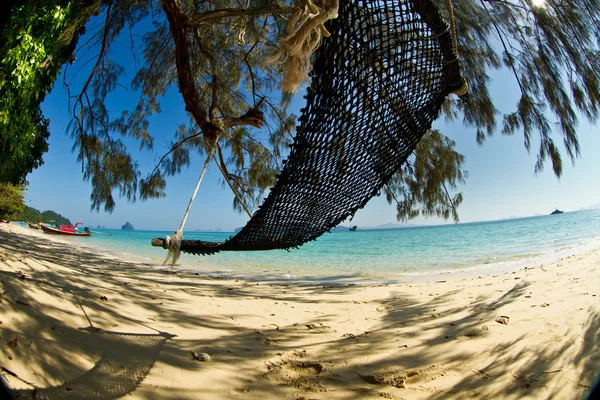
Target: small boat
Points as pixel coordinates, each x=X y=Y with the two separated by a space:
x=33 y=226
x=556 y=211
x=69 y=230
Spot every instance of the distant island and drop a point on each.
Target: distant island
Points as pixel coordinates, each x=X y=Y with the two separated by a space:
x=127 y=227
x=341 y=228
x=393 y=226
x=100 y=227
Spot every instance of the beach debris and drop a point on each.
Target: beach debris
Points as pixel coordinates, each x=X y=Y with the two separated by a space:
x=200 y=356
x=485 y=328
x=473 y=333
x=103 y=298
x=13 y=343
x=318 y=367
x=393 y=379
x=349 y=336
x=269 y=341
x=544 y=305
x=481 y=373
x=8 y=371
x=503 y=319
x=300 y=354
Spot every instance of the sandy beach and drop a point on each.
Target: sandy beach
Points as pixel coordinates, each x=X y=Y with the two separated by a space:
x=77 y=324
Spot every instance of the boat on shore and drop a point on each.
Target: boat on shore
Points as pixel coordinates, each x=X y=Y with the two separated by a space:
x=556 y=211
x=68 y=230
x=33 y=226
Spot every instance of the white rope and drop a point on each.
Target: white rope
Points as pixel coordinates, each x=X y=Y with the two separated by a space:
x=304 y=32
x=174 y=243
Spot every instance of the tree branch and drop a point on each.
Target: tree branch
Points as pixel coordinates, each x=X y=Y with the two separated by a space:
x=237 y=12
x=510 y=57
x=253 y=117
x=175 y=147
x=177 y=22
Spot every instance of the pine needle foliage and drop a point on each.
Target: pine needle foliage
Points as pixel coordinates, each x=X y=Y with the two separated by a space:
x=215 y=53
x=552 y=52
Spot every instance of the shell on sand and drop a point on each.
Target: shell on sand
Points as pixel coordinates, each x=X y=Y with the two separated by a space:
x=200 y=356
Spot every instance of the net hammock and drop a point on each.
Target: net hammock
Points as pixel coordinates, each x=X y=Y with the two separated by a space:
x=377 y=84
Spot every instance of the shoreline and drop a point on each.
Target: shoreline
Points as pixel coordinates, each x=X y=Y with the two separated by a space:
x=81 y=318
x=286 y=274
x=278 y=267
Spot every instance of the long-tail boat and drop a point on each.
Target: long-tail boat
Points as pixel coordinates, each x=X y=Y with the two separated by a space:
x=69 y=230
x=33 y=226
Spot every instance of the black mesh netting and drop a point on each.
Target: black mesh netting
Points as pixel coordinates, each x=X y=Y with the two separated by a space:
x=377 y=85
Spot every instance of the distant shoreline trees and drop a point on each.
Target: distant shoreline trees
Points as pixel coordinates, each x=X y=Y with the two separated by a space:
x=33 y=215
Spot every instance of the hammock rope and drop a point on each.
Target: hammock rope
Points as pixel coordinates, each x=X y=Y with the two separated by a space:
x=174 y=244
x=464 y=87
x=304 y=32
x=377 y=84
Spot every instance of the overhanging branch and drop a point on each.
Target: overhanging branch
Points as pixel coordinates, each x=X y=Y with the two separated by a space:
x=177 y=22
x=237 y=12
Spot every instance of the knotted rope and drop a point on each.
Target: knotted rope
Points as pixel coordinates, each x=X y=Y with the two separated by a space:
x=305 y=31
x=174 y=243
x=464 y=88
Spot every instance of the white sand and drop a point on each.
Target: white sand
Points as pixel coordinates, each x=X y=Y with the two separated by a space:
x=90 y=326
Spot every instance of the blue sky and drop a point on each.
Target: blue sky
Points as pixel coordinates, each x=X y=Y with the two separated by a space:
x=501 y=181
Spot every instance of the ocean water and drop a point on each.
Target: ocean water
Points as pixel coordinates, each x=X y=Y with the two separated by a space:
x=390 y=255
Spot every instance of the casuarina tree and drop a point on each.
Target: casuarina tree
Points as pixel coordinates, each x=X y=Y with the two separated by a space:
x=225 y=59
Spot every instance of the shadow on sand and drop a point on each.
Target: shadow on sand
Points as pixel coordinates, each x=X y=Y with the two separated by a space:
x=126 y=362
x=392 y=359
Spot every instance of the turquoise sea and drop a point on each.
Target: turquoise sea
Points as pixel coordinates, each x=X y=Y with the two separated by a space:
x=390 y=255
